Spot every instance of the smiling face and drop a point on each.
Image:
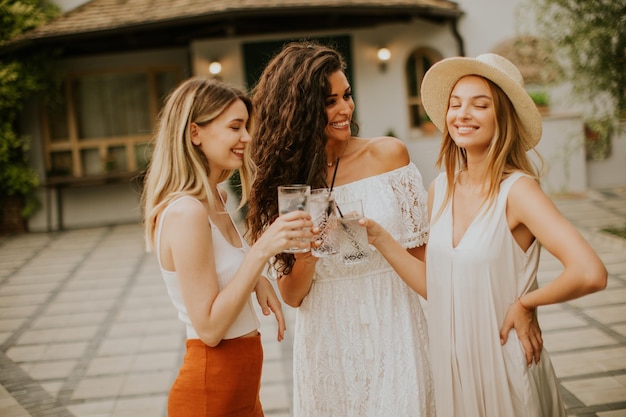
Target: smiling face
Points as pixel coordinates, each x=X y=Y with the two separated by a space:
x=470 y=117
x=339 y=108
x=224 y=139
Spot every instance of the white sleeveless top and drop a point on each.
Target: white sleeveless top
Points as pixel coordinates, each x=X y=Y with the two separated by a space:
x=228 y=259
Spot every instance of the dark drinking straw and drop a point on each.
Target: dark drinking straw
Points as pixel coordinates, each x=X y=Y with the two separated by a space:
x=311 y=170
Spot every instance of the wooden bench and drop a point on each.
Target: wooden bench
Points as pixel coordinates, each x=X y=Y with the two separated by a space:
x=58 y=183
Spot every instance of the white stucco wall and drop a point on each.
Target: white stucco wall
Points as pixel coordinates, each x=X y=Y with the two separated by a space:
x=610 y=172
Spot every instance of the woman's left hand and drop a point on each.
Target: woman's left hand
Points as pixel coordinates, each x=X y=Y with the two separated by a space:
x=269 y=302
x=527 y=328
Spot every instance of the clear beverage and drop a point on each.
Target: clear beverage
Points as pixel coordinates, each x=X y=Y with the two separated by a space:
x=322 y=210
x=354 y=246
x=292 y=198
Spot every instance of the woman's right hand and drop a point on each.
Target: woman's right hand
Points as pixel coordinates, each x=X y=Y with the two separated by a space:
x=374 y=230
x=293 y=229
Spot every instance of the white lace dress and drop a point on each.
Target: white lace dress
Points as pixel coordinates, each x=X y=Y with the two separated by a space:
x=360 y=341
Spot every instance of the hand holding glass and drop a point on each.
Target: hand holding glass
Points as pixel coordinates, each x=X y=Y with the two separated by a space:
x=291 y=198
x=354 y=245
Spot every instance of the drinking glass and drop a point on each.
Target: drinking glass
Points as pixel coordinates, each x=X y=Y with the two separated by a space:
x=322 y=210
x=291 y=198
x=353 y=243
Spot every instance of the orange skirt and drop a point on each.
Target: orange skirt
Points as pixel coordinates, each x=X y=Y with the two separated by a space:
x=222 y=381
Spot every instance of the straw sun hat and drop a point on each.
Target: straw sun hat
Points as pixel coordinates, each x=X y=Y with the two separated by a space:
x=443 y=75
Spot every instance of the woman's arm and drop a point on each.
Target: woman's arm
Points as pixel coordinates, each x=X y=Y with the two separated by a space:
x=269 y=303
x=584 y=273
x=532 y=215
x=409 y=268
x=296 y=285
x=187 y=235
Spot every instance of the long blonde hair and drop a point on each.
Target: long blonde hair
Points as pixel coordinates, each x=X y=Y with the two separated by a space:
x=507 y=150
x=177 y=166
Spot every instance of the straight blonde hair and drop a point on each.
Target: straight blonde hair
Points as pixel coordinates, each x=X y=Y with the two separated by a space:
x=178 y=167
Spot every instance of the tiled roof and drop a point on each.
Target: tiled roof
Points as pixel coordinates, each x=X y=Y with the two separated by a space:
x=110 y=15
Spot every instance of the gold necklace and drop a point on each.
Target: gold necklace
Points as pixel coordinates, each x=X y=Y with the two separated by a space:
x=331 y=162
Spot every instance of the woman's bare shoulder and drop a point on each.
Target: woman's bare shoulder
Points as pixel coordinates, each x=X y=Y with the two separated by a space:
x=390 y=152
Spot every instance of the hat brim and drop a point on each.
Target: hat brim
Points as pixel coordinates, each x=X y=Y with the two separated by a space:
x=443 y=76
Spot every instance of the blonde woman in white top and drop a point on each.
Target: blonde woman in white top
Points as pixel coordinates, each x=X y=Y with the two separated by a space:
x=209 y=269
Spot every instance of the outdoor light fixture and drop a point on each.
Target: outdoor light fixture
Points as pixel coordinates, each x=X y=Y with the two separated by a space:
x=384 y=54
x=215 y=68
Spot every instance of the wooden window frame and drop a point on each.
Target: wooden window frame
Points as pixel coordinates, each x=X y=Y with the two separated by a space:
x=416 y=78
x=76 y=146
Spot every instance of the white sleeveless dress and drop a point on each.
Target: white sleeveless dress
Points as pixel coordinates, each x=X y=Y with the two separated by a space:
x=360 y=341
x=470 y=287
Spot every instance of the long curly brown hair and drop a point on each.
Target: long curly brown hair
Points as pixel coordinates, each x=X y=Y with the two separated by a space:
x=290 y=99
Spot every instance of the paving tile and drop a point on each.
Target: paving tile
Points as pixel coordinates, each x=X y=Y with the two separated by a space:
x=274 y=372
x=275 y=397
x=59 y=307
x=119 y=346
x=64 y=320
x=4 y=336
x=110 y=365
x=26 y=353
x=52 y=388
x=64 y=350
x=569 y=340
x=590 y=362
x=608 y=314
x=144 y=405
x=99 y=387
x=10 y=324
x=156 y=361
x=107 y=343
x=621 y=329
x=147 y=383
x=72 y=334
x=558 y=320
x=92 y=408
x=615 y=295
x=22 y=300
x=58 y=369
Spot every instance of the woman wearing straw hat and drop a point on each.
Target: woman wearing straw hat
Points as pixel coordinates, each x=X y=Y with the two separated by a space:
x=209 y=270
x=489 y=219
x=360 y=337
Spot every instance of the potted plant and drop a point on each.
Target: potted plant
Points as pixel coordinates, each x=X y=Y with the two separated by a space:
x=589 y=38
x=598 y=133
x=18 y=182
x=542 y=101
x=427 y=126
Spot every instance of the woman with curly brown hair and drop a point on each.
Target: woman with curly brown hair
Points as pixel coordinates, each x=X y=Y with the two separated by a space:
x=360 y=341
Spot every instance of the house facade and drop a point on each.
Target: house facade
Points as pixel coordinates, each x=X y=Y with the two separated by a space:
x=120 y=59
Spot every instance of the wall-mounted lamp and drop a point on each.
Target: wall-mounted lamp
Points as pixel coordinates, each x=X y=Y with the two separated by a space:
x=384 y=54
x=215 y=68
